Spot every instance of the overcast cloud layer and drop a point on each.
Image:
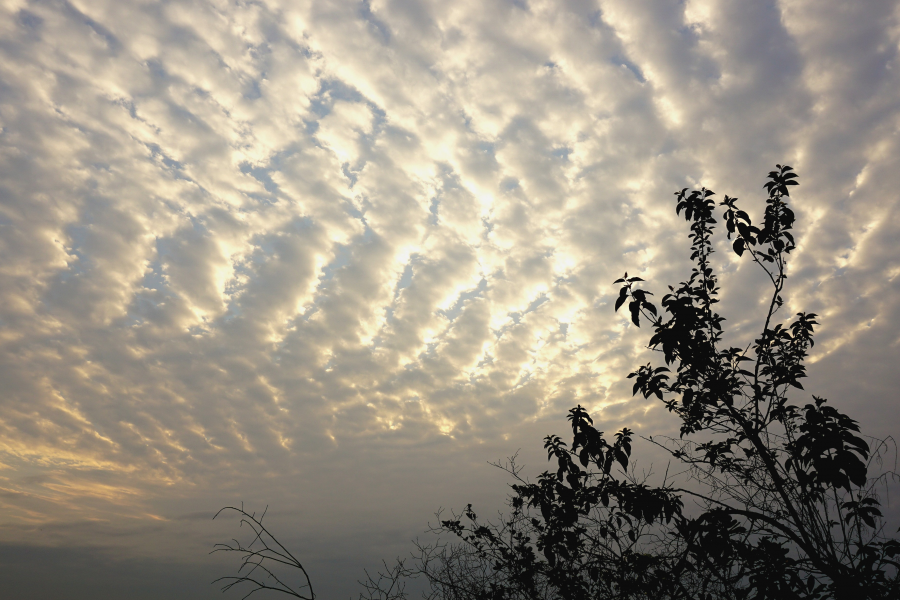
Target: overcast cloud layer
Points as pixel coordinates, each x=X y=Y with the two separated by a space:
x=334 y=256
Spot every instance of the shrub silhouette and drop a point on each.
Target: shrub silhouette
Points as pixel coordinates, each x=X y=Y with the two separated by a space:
x=785 y=507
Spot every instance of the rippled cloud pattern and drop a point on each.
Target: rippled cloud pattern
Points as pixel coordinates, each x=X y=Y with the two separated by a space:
x=240 y=237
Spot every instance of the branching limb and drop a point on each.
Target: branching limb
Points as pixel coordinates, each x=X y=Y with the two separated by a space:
x=262 y=554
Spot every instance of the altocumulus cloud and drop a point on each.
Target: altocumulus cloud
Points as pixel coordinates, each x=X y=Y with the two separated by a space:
x=335 y=255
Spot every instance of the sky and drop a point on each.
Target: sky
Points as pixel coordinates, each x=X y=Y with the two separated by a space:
x=333 y=257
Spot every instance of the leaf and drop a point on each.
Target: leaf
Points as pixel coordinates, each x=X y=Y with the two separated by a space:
x=622 y=458
x=583 y=457
x=623 y=295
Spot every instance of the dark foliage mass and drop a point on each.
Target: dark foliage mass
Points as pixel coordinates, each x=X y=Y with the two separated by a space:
x=776 y=499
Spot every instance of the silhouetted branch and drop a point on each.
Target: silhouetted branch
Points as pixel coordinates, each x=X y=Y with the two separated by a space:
x=262 y=554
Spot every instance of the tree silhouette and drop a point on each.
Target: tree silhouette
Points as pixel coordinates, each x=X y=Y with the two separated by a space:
x=783 y=504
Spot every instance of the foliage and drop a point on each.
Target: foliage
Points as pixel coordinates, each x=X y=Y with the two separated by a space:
x=789 y=510
x=783 y=506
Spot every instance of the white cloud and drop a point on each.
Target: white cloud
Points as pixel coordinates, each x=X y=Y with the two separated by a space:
x=256 y=248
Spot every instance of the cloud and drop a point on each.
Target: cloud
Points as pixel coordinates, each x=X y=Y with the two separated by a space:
x=251 y=249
